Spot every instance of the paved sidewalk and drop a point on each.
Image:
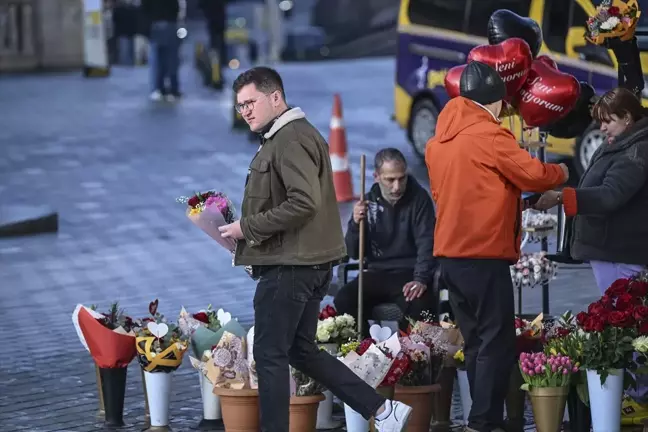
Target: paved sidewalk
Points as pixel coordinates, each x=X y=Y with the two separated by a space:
x=112 y=164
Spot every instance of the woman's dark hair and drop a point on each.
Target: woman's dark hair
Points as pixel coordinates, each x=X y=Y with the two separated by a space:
x=620 y=102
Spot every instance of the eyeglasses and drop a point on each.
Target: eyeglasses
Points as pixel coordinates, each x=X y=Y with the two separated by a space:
x=243 y=106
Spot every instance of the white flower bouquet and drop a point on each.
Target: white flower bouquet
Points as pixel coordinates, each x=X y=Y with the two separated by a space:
x=533 y=269
x=333 y=328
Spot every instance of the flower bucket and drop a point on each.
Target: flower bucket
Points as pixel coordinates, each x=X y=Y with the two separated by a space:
x=212 y=417
x=325 y=409
x=548 y=404
x=113 y=386
x=515 y=402
x=580 y=416
x=158 y=391
x=354 y=421
x=464 y=392
x=420 y=399
x=605 y=400
x=303 y=413
x=325 y=413
x=240 y=409
x=443 y=400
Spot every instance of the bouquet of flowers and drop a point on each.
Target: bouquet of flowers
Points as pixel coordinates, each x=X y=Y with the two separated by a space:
x=230 y=366
x=372 y=359
x=540 y=370
x=209 y=211
x=425 y=363
x=109 y=337
x=444 y=337
x=160 y=344
x=612 y=324
x=533 y=269
x=206 y=327
x=614 y=18
x=333 y=328
x=528 y=334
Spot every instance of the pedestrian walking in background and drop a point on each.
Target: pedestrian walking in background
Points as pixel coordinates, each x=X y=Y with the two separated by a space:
x=290 y=233
x=215 y=12
x=125 y=21
x=164 y=16
x=477 y=173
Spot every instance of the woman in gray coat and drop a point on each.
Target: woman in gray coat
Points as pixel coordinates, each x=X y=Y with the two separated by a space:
x=610 y=204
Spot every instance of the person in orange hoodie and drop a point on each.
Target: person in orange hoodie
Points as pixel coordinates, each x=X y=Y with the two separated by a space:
x=477 y=174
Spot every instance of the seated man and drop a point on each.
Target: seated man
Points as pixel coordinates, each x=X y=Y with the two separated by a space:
x=399 y=229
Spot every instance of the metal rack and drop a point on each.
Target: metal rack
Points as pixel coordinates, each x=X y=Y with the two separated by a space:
x=540 y=147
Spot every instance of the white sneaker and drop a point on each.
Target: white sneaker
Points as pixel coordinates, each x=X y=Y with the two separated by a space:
x=397 y=419
x=156 y=96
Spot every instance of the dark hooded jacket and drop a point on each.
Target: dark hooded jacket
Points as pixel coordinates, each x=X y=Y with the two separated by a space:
x=399 y=237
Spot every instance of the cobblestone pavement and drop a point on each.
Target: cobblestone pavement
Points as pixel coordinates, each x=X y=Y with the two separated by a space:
x=112 y=164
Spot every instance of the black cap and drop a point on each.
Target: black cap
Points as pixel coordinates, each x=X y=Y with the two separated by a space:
x=481 y=83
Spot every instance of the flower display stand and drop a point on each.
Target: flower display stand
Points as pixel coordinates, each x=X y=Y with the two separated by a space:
x=605 y=400
x=303 y=413
x=548 y=404
x=464 y=393
x=325 y=419
x=420 y=398
x=212 y=416
x=158 y=391
x=240 y=409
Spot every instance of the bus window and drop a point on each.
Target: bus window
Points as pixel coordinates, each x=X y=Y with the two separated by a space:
x=556 y=24
x=443 y=14
x=480 y=12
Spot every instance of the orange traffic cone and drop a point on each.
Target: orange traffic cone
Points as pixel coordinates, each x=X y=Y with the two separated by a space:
x=338 y=153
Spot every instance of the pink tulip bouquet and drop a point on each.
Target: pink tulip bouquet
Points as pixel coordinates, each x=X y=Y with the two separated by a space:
x=540 y=370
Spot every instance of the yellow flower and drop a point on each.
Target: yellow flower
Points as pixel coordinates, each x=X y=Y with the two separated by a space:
x=553 y=351
x=459 y=356
x=194 y=211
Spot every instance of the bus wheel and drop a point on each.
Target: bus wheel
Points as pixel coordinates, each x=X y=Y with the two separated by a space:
x=422 y=125
x=586 y=145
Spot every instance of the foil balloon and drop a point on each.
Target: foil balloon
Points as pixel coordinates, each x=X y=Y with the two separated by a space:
x=578 y=119
x=548 y=61
x=547 y=96
x=504 y=24
x=511 y=59
x=452 y=79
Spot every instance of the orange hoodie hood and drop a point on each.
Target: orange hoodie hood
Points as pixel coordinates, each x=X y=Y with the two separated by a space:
x=460 y=114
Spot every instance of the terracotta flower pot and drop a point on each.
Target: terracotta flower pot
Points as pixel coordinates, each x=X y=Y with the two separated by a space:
x=420 y=398
x=303 y=412
x=240 y=409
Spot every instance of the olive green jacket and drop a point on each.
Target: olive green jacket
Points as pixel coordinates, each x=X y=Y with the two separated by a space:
x=289 y=213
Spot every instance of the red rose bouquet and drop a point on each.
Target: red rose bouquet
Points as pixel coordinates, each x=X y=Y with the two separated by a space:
x=612 y=323
x=528 y=334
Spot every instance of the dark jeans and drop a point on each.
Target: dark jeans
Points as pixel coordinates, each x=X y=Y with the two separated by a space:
x=286 y=309
x=481 y=296
x=382 y=286
x=165 y=52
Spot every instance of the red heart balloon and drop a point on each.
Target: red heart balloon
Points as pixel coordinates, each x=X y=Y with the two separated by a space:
x=511 y=59
x=452 y=79
x=548 y=61
x=547 y=95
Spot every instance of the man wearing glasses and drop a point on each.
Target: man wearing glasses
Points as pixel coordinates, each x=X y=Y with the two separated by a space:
x=290 y=233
